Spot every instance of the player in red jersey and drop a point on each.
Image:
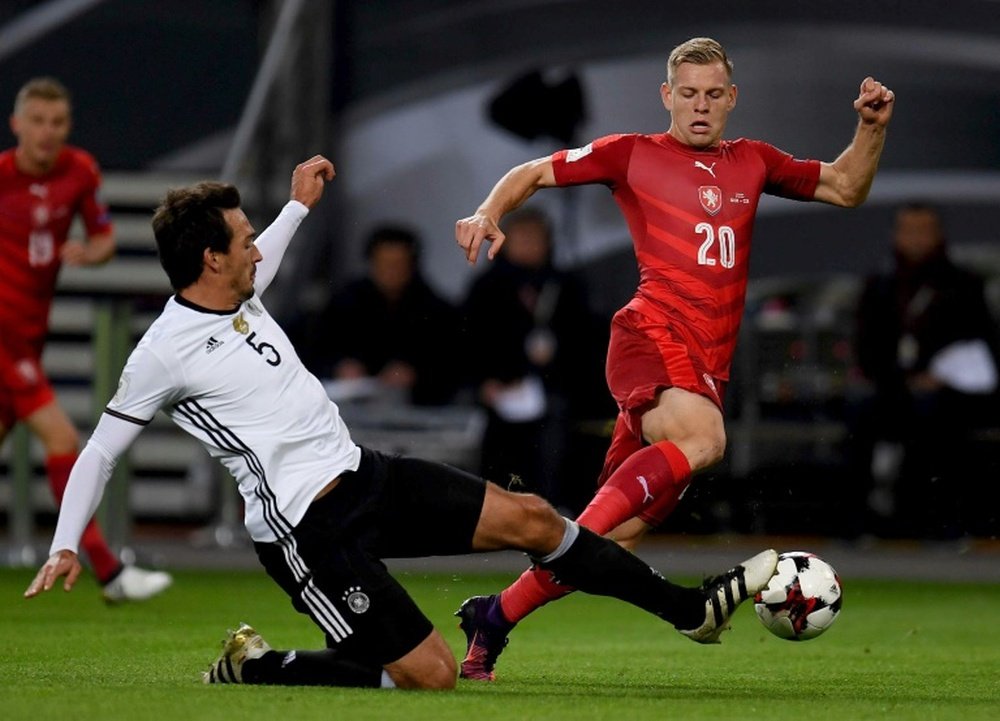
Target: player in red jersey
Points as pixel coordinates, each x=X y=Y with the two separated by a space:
x=44 y=184
x=689 y=198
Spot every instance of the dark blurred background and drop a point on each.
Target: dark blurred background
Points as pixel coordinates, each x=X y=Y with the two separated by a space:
x=423 y=104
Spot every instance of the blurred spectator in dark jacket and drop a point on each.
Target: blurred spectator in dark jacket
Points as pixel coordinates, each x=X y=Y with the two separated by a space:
x=927 y=342
x=532 y=346
x=391 y=326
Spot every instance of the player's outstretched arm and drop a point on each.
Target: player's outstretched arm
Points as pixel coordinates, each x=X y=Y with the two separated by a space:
x=847 y=180
x=519 y=184
x=308 y=181
x=61 y=563
x=87 y=480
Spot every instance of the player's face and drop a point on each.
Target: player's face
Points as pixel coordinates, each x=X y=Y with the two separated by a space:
x=239 y=265
x=41 y=127
x=699 y=103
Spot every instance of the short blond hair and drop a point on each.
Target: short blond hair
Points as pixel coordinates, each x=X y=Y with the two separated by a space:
x=44 y=88
x=698 y=51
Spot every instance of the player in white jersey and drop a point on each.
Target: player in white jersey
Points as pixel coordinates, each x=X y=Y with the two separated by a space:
x=323 y=512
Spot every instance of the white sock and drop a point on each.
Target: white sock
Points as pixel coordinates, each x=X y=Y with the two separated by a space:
x=568 y=539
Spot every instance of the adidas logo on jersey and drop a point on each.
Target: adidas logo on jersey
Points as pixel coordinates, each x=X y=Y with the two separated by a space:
x=213 y=344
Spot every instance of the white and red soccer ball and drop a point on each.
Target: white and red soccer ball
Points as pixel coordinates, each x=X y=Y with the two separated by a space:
x=802 y=599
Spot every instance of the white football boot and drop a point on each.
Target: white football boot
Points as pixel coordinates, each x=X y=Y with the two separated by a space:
x=727 y=591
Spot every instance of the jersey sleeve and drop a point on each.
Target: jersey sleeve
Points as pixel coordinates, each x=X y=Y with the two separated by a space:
x=787 y=176
x=146 y=385
x=604 y=160
x=273 y=242
x=93 y=210
x=87 y=480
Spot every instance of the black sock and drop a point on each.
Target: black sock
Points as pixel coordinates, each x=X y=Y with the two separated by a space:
x=309 y=668
x=599 y=566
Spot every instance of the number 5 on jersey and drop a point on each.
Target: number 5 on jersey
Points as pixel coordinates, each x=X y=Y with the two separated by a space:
x=267 y=351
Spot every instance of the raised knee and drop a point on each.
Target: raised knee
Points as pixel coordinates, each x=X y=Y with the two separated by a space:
x=716 y=448
x=704 y=449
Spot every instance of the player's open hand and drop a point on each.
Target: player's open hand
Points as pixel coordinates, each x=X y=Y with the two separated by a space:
x=61 y=563
x=875 y=102
x=308 y=180
x=473 y=231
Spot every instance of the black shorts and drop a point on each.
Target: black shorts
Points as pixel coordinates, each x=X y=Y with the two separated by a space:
x=331 y=565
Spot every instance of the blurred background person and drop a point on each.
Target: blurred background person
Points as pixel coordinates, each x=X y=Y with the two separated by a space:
x=44 y=184
x=928 y=346
x=531 y=348
x=390 y=325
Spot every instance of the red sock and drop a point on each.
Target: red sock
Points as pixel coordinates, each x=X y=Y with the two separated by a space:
x=651 y=479
x=648 y=484
x=532 y=590
x=105 y=564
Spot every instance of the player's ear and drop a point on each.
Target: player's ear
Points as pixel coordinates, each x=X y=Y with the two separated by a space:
x=665 y=96
x=733 y=92
x=210 y=259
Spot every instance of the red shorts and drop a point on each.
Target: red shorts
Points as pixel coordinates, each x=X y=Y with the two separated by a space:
x=644 y=358
x=23 y=385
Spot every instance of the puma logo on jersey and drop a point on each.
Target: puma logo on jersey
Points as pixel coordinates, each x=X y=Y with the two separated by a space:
x=707 y=169
x=645 y=488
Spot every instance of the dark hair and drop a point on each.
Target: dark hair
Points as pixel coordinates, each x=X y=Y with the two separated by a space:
x=188 y=221
x=392 y=235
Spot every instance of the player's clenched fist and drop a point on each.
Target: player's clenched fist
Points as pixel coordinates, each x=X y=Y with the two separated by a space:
x=308 y=179
x=875 y=102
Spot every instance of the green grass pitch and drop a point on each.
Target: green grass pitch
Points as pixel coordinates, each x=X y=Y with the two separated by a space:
x=899 y=650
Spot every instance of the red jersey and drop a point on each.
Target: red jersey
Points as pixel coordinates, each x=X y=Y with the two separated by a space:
x=690 y=213
x=35 y=216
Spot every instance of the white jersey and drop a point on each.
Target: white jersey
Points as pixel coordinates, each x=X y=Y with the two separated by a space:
x=232 y=380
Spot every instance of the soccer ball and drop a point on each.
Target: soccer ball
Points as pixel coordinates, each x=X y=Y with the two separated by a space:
x=802 y=599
